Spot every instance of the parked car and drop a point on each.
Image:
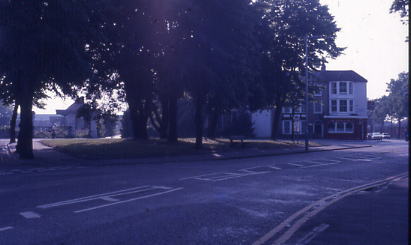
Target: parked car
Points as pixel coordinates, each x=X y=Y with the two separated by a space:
x=386 y=136
x=375 y=136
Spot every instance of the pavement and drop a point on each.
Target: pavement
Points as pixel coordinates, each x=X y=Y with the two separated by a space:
x=236 y=201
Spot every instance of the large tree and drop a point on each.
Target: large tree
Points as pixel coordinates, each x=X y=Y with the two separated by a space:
x=398 y=98
x=291 y=24
x=214 y=50
x=401 y=7
x=42 y=45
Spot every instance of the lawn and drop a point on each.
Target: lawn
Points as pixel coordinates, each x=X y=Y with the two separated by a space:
x=126 y=148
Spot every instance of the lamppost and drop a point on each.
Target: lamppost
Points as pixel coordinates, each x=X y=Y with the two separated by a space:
x=306 y=94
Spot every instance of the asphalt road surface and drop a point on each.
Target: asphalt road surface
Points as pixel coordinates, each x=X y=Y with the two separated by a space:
x=314 y=198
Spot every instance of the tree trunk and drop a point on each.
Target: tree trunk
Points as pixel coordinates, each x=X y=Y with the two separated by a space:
x=13 y=123
x=25 y=138
x=198 y=120
x=292 y=125
x=172 y=119
x=276 y=121
x=214 y=115
x=399 y=128
x=139 y=119
x=165 y=111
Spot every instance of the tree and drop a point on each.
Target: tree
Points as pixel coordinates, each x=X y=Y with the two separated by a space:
x=5 y=114
x=398 y=98
x=214 y=48
x=42 y=45
x=401 y=7
x=379 y=109
x=291 y=22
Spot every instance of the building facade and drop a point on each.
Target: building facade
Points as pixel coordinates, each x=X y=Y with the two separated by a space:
x=337 y=109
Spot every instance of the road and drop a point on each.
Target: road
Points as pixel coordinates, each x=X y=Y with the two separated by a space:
x=242 y=201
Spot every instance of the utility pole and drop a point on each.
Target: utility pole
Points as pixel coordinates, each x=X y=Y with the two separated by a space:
x=306 y=94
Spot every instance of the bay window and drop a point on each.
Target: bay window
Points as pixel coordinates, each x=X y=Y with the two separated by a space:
x=340 y=127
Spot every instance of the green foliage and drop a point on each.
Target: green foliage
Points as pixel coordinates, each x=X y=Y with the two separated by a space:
x=398 y=98
x=291 y=22
x=402 y=7
x=5 y=115
x=240 y=125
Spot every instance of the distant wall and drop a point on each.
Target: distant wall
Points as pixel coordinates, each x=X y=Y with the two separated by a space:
x=262 y=123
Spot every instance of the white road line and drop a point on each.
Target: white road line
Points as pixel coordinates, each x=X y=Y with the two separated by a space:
x=325 y=164
x=274 y=167
x=109 y=199
x=125 y=201
x=294 y=164
x=334 y=160
x=30 y=215
x=6 y=228
x=252 y=169
x=88 y=198
x=199 y=176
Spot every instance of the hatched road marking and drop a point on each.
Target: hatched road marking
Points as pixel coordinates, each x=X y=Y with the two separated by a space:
x=144 y=191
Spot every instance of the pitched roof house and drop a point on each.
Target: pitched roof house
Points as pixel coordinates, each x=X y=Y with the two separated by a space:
x=79 y=127
x=338 y=110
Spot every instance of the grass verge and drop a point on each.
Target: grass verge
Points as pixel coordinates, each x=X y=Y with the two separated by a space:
x=126 y=148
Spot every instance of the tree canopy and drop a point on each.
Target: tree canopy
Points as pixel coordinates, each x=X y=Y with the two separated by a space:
x=217 y=54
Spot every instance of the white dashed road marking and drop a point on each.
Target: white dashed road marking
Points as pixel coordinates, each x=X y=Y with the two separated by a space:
x=294 y=164
x=30 y=215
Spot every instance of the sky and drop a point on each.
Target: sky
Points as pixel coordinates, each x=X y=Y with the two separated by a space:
x=374 y=40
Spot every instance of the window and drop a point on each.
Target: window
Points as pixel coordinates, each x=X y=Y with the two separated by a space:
x=286 y=127
x=342 y=87
x=343 y=105
x=351 y=105
x=340 y=127
x=350 y=87
x=334 y=88
x=286 y=109
x=318 y=107
x=348 y=127
x=333 y=105
x=303 y=126
x=331 y=127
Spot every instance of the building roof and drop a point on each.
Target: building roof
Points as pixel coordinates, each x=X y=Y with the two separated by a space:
x=73 y=108
x=348 y=75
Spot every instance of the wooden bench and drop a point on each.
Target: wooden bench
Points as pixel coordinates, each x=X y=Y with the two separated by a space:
x=240 y=138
